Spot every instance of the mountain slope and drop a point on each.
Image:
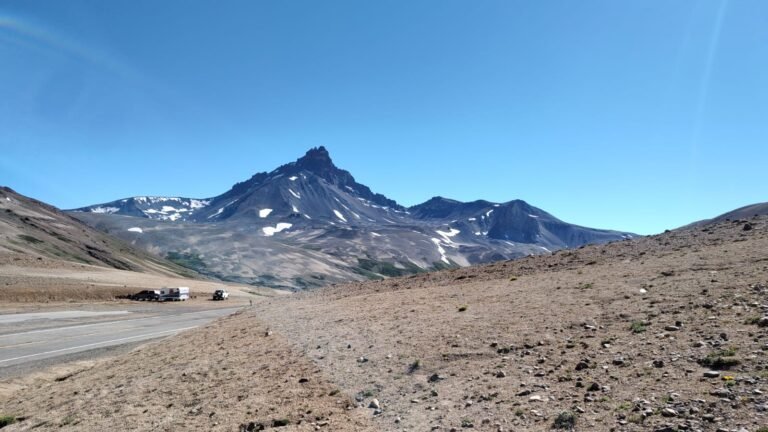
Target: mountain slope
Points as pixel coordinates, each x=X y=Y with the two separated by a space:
x=30 y=229
x=745 y=212
x=310 y=223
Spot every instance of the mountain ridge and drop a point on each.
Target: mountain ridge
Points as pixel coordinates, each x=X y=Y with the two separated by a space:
x=315 y=215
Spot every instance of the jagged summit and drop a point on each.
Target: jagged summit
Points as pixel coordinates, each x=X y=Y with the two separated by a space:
x=317 y=159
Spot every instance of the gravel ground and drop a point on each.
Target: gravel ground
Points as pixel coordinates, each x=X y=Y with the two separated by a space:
x=660 y=333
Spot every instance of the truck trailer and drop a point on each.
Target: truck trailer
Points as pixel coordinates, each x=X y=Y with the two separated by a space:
x=174 y=294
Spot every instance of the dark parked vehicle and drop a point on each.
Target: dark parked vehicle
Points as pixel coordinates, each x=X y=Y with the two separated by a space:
x=147 y=295
x=220 y=294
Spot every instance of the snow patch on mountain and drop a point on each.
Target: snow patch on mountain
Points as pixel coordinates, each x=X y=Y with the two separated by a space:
x=446 y=235
x=264 y=213
x=270 y=231
x=108 y=210
x=136 y=230
x=198 y=204
x=340 y=216
x=440 y=250
x=294 y=193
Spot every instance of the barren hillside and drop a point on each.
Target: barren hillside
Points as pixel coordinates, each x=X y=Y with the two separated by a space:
x=662 y=333
x=33 y=234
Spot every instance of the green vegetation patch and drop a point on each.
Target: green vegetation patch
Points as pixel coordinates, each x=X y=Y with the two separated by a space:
x=565 y=420
x=637 y=327
x=387 y=268
x=30 y=239
x=6 y=420
x=721 y=359
x=188 y=260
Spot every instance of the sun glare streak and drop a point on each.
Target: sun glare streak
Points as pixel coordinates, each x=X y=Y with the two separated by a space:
x=25 y=33
x=706 y=77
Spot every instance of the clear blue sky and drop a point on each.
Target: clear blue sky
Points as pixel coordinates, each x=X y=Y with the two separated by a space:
x=637 y=115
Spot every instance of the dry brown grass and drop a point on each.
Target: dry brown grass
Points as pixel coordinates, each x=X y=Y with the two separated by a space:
x=63 y=294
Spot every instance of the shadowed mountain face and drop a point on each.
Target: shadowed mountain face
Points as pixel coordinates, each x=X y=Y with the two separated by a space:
x=309 y=223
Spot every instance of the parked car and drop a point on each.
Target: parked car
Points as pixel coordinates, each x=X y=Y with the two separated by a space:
x=174 y=294
x=220 y=294
x=146 y=295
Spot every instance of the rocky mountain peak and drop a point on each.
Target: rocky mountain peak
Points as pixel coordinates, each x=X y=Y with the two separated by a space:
x=317 y=160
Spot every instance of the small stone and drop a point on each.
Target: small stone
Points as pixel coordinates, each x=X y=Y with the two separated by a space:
x=581 y=365
x=303 y=380
x=763 y=322
x=669 y=412
x=501 y=374
x=536 y=398
x=593 y=387
x=658 y=363
x=671 y=328
x=711 y=374
x=374 y=404
x=435 y=378
x=618 y=360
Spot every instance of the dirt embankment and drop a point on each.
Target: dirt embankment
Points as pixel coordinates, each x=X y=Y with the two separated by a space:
x=662 y=333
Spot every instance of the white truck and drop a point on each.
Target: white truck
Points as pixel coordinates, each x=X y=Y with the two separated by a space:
x=174 y=294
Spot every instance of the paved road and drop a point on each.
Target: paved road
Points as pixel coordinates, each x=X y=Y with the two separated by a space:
x=30 y=338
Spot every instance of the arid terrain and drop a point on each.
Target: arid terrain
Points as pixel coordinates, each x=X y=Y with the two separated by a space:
x=661 y=333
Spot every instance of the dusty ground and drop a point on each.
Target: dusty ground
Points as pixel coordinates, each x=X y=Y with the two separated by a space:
x=511 y=346
x=29 y=282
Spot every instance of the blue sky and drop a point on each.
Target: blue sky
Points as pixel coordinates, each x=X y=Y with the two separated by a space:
x=637 y=115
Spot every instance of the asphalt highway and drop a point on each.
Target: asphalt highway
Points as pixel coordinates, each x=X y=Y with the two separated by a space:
x=31 y=338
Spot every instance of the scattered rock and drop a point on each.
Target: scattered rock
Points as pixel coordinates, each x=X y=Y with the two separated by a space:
x=669 y=412
x=374 y=404
x=711 y=374
x=435 y=378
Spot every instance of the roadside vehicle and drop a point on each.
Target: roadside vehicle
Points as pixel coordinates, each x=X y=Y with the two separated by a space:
x=220 y=294
x=146 y=295
x=174 y=294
